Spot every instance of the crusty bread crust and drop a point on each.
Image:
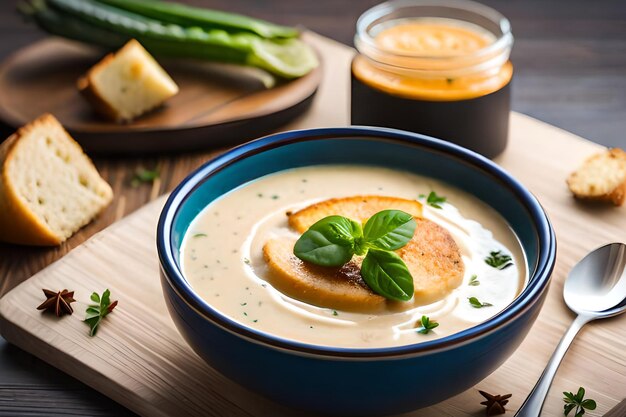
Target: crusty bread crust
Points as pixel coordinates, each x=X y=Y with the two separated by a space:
x=339 y=288
x=583 y=184
x=360 y=208
x=618 y=195
x=91 y=93
x=18 y=224
x=19 y=221
x=89 y=88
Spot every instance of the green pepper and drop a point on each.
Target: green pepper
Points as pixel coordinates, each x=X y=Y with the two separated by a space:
x=184 y=15
x=100 y=24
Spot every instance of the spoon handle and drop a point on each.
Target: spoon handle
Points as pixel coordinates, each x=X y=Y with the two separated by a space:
x=534 y=402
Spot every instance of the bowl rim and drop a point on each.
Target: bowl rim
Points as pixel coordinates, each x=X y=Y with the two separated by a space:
x=537 y=284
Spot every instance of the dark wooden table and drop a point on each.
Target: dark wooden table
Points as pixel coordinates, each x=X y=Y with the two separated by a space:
x=570 y=62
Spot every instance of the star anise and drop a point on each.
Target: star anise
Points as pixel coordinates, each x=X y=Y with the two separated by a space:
x=58 y=302
x=495 y=403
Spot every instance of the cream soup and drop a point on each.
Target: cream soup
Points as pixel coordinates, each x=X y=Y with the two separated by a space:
x=222 y=257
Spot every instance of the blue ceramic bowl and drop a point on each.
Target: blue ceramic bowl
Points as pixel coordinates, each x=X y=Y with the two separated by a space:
x=345 y=381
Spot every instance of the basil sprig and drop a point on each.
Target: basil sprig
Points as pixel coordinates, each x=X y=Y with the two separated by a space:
x=333 y=240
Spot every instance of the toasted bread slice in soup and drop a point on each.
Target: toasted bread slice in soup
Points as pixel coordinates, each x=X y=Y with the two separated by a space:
x=359 y=208
x=432 y=256
x=339 y=288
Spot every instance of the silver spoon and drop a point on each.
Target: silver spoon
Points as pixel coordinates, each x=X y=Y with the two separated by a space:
x=594 y=289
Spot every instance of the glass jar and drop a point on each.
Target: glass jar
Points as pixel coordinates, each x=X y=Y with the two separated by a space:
x=436 y=67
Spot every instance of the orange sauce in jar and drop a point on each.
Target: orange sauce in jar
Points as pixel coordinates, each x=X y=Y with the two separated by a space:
x=439 y=68
x=436 y=59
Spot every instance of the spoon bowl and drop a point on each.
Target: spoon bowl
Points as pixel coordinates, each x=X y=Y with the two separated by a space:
x=597 y=284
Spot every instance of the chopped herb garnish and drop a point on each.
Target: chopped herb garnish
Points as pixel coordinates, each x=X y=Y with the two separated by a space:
x=143 y=175
x=426 y=325
x=275 y=197
x=577 y=402
x=474 y=281
x=260 y=195
x=244 y=304
x=200 y=235
x=477 y=304
x=255 y=320
x=246 y=261
x=335 y=313
x=97 y=312
x=498 y=260
x=449 y=80
x=434 y=200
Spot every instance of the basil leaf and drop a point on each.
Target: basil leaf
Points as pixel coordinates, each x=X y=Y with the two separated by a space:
x=589 y=404
x=386 y=274
x=389 y=229
x=329 y=242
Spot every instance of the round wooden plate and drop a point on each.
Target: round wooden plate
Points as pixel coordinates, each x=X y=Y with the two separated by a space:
x=218 y=105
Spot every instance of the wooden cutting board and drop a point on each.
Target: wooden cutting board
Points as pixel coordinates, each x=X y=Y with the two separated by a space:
x=139 y=359
x=218 y=105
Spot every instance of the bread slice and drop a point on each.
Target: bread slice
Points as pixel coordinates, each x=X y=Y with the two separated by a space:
x=432 y=256
x=359 y=208
x=127 y=84
x=602 y=177
x=48 y=187
x=434 y=260
x=338 y=288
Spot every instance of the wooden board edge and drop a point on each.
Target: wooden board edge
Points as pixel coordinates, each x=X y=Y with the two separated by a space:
x=618 y=411
x=158 y=202
x=18 y=336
